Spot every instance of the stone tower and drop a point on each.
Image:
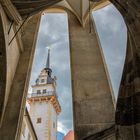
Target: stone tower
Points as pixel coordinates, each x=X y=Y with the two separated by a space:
x=44 y=105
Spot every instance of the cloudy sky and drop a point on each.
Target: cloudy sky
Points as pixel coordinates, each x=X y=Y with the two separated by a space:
x=53 y=32
x=113 y=37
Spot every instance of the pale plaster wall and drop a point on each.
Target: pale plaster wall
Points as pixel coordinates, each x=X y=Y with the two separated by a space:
x=28 y=130
x=44 y=110
x=39 y=110
x=47 y=113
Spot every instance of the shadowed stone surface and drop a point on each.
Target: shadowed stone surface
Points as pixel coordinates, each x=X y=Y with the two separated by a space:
x=128 y=104
x=3 y=67
x=90 y=86
x=11 y=124
x=93 y=104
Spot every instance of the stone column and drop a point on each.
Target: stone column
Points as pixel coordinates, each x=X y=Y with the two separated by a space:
x=128 y=104
x=93 y=104
x=13 y=116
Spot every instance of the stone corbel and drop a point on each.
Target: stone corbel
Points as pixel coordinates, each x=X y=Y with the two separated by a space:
x=11 y=11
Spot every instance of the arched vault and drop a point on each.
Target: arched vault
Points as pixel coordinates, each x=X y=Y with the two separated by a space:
x=23 y=9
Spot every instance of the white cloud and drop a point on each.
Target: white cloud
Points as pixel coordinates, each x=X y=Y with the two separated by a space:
x=61 y=128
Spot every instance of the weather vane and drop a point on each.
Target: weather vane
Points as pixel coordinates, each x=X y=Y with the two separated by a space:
x=48 y=58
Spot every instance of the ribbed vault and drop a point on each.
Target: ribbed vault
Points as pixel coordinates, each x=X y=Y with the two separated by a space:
x=27 y=8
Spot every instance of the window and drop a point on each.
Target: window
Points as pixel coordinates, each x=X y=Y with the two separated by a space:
x=42 y=80
x=44 y=90
x=38 y=120
x=37 y=81
x=38 y=92
x=29 y=136
x=53 y=124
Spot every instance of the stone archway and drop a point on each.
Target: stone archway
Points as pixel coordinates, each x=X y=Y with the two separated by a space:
x=13 y=115
x=88 y=74
x=128 y=104
x=127 y=114
x=3 y=66
x=128 y=101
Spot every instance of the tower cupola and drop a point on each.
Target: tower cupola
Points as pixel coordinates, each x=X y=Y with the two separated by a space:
x=46 y=73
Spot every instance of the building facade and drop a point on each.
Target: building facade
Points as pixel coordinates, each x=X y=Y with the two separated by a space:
x=27 y=130
x=44 y=105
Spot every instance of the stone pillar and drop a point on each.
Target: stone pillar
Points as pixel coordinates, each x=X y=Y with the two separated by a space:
x=128 y=104
x=93 y=104
x=11 y=125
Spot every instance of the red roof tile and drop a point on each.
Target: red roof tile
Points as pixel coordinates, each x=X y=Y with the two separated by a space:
x=69 y=136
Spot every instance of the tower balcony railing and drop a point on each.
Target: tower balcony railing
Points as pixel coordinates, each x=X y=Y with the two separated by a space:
x=41 y=94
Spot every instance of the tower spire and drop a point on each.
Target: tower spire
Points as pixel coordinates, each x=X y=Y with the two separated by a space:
x=48 y=59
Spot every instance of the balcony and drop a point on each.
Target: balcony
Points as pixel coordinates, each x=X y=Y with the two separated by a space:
x=41 y=94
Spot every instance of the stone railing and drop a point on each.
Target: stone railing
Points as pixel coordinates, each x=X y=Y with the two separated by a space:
x=41 y=94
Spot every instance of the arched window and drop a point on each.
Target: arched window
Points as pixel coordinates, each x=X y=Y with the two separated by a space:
x=38 y=120
x=54 y=33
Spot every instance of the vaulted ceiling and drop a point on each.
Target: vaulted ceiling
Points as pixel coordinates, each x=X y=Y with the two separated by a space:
x=27 y=8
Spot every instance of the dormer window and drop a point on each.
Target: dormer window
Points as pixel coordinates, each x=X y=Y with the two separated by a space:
x=42 y=80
